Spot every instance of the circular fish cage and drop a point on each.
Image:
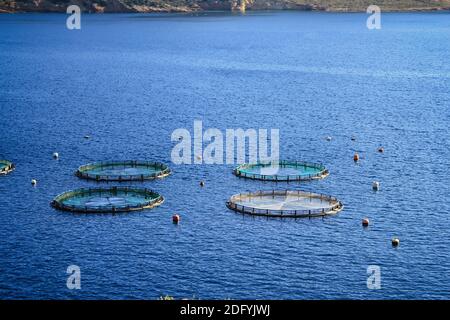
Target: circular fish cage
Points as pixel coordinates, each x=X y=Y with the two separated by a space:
x=285 y=204
x=123 y=171
x=109 y=200
x=282 y=171
x=6 y=167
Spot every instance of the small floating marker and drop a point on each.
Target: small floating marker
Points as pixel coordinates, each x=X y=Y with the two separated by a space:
x=375 y=186
x=328 y=138
x=395 y=242
x=199 y=157
x=87 y=136
x=356 y=157
x=353 y=138
x=176 y=218
x=202 y=183
x=380 y=149
x=365 y=222
x=33 y=182
x=55 y=155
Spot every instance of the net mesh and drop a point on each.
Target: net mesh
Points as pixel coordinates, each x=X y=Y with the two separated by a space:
x=123 y=171
x=282 y=171
x=107 y=200
x=285 y=204
x=6 y=166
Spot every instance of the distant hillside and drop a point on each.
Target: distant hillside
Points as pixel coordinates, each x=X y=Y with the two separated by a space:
x=202 y=5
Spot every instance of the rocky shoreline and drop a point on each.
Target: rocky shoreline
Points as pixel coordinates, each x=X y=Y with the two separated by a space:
x=189 y=6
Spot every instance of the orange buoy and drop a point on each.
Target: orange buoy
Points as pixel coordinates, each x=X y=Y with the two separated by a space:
x=356 y=157
x=176 y=218
x=395 y=242
x=365 y=222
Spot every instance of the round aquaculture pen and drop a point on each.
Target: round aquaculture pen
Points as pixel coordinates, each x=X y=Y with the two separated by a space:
x=285 y=204
x=282 y=171
x=108 y=200
x=6 y=167
x=123 y=171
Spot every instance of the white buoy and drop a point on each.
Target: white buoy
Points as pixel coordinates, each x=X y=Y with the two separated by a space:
x=328 y=138
x=55 y=155
x=87 y=136
x=375 y=186
x=33 y=182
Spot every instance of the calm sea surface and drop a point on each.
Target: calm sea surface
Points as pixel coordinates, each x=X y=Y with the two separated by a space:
x=128 y=81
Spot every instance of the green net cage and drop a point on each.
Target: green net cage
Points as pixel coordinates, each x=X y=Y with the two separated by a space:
x=284 y=204
x=107 y=200
x=6 y=167
x=123 y=171
x=282 y=171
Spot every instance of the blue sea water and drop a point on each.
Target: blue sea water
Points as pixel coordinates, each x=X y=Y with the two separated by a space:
x=130 y=80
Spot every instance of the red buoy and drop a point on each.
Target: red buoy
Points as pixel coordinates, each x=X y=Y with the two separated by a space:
x=176 y=218
x=356 y=157
x=365 y=222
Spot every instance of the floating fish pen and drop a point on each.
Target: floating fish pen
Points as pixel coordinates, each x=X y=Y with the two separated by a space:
x=282 y=171
x=123 y=171
x=6 y=167
x=108 y=200
x=285 y=204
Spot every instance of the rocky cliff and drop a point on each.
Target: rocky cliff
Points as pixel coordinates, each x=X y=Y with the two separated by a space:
x=204 y=5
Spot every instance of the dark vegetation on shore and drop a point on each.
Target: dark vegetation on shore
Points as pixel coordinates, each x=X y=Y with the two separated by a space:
x=117 y=6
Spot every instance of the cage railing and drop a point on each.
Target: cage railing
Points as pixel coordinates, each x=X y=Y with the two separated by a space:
x=335 y=206
x=82 y=171
x=321 y=173
x=152 y=198
x=6 y=166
